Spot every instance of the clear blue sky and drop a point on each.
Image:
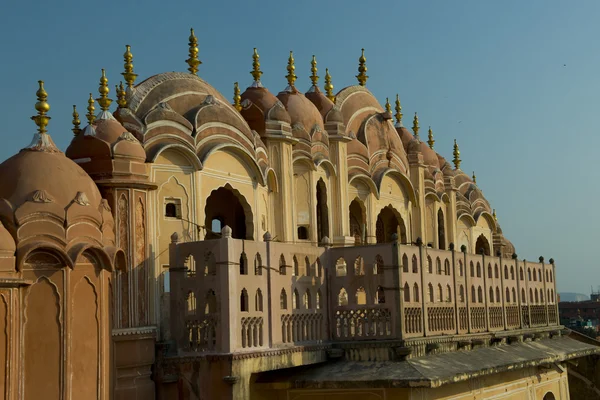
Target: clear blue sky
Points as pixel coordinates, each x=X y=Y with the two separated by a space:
x=490 y=73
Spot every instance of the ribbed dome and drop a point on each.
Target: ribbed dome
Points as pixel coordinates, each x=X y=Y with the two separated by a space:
x=301 y=110
x=323 y=104
x=43 y=174
x=260 y=105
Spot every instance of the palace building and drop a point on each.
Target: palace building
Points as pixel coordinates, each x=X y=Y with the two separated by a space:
x=285 y=245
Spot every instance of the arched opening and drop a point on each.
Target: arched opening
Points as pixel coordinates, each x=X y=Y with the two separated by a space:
x=406 y=291
x=283 y=300
x=473 y=299
x=342 y=297
x=359 y=266
x=378 y=264
x=358 y=223
x=415 y=264
x=498 y=295
x=340 y=267
x=549 y=396
x=211 y=302
x=479 y=295
x=244 y=301
x=296 y=300
x=416 y=292
x=429 y=265
x=318 y=302
x=441 y=230
x=258 y=300
x=482 y=245
x=282 y=266
x=226 y=206
x=322 y=211
x=389 y=222
x=461 y=293
x=404 y=263
x=296 y=270
x=440 y=293
x=446 y=267
x=361 y=296
x=380 y=296
x=430 y=292
x=491 y=295
x=448 y=293
x=191 y=303
x=243 y=264
x=309 y=269
x=514 y=295
x=258 y=265
x=307 y=300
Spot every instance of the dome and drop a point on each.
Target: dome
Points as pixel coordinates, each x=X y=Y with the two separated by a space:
x=429 y=156
x=323 y=104
x=42 y=174
x=106 y=139
x=260 y=105
x=301 y=110
x=405 y=135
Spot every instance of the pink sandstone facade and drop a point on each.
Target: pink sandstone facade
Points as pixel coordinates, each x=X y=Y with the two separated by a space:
x=298 y=246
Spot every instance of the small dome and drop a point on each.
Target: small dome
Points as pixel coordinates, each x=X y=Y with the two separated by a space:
x=405 y=135
x=429 y=156
x=323 y=104
x=44 y=176
x=106 y=138
x=260 y=105
x=414 y=145
x=301 y=110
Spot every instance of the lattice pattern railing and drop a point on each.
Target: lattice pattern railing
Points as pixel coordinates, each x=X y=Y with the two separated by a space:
x=440 y=319
x=202 y=333
x=463 y=318
x=478 y=318
x=252 y=331
x=512 y=317
x=525 y=316
x=301 y=327
x=538 y=315
x=363 y=323
x=412 y=320
x=552 y=319
x=496 y=320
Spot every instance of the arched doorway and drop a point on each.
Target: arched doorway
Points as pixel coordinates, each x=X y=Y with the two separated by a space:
x=482 y=244
x=441 y=230
x=389 y=222
x=358 y=227
x=322 y=211
x=226 y=206
x=549 y=396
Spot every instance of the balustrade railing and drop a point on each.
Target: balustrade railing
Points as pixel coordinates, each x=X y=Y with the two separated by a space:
x=363 y=323
x=301 y=327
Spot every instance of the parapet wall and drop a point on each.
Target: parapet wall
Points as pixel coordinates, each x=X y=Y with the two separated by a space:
x=230 y=295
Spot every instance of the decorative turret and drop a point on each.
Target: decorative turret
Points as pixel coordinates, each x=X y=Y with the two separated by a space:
x=76 y=121
x=314 y=78
x=398 y=115
x=237 y=99
x=128 y=75
x=256 y=72
x=456 y=153
x=291 y=76
x=362 y=69
x=103 y=100
x=415 y=127
x=430 y=140
x=193 y=61
x=328 y=86
x=121 y=94
x=41 y=140
x=91 y=117
x=388 y=106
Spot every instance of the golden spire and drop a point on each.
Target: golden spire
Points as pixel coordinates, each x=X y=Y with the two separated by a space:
x=329 y=86
x=291 y=76
x=91 y=117
x=76 y=121
x=193 y=61
x=128 y=74
x=120 y=89
x=42 y=107
x=398 y=111
x=456 y=154
x=237 y=99
x=362 y=69
x=313 y=69
x=103 y=100
x=474 y=178
x=388 y=106
x=494 y=215
x=430 y=139
x=416 y=125
x=256 y=72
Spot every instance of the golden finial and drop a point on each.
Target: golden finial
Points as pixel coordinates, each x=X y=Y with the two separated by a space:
x=76 y=121
x=42 y=107
x=128 y=74
x=91 y=117
x=256 y=72
x=398 y=111
x=193 y=61
x=329 y=86
x=120 y=90
x=291 y=76
x=416 y=125
x=388 y=106
x=430 y=139
x=494 y=215
x=362 y=69
x=474 y=178
x=103 y=100
x=313 y=69
x=456 y=154
x=237 y=99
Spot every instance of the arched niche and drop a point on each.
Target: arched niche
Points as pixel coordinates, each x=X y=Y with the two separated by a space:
x=227 y=207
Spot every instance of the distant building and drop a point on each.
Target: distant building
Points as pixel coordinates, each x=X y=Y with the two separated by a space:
x=568 y=296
